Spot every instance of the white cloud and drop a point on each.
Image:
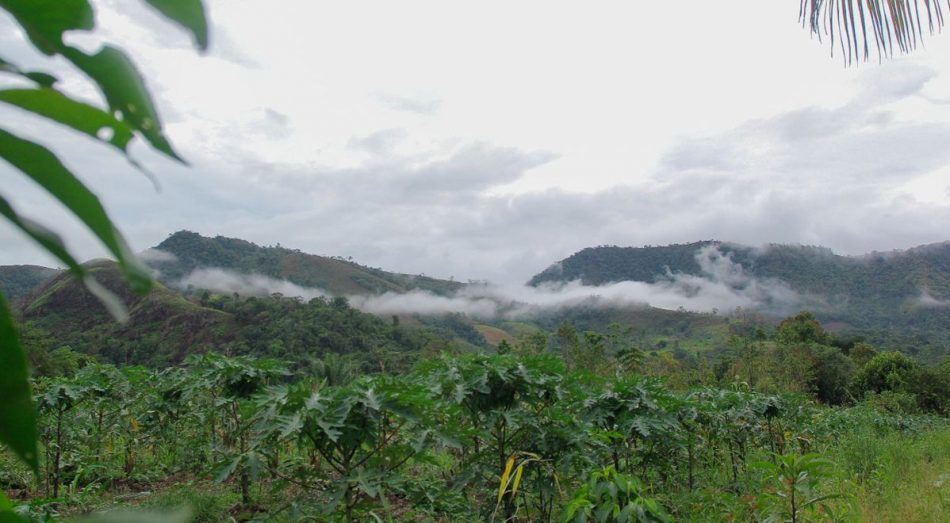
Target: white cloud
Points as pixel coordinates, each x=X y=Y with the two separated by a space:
x=222 y=280
x=157 y=256
x=928 y=301
x=410 y=141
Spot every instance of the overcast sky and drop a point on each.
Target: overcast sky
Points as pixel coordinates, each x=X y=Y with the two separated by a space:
x=486 y=140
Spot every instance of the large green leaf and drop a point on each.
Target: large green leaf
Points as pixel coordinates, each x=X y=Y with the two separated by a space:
x=44 y=168
x=17 y=414
x=45 y=21
x=82 y=117
x=189 y=13
x=125 y=92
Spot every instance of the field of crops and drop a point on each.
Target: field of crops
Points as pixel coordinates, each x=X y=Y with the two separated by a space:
x=474 y=438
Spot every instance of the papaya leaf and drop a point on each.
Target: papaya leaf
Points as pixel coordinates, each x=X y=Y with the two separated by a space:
x=17 y=413
x=44 y=168
x=125 y=92
x=45 y=21
x=227 y=469
x=38 y=77
x=82 y=117
x=190 y=14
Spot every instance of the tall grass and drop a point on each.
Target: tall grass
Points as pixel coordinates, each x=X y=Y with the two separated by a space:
x=898 y=477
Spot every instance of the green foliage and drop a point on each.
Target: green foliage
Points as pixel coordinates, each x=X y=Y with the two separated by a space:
x=888 y=371
x=795 y=480
x=833 y=372
x=801 y=328
x=609 y=496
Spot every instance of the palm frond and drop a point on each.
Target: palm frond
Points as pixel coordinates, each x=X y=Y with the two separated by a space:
x=851 y=25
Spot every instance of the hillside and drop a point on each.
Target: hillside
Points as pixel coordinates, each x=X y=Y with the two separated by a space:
x=190 y=251
x=166 y=326
x=16 y=281
x=163 y=326
x=896 y=275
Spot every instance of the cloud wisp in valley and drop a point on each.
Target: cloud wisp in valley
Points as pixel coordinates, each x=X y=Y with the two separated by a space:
x=723 y=285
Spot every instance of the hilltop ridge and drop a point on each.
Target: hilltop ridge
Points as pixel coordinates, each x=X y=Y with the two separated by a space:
x=337 y=276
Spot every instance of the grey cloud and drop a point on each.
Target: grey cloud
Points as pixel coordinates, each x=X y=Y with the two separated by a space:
x=899 y=80
x=380 y=142
x=274 y=123
x=223 y=45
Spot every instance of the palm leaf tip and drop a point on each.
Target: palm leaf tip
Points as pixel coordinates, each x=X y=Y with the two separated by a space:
x=852 y=25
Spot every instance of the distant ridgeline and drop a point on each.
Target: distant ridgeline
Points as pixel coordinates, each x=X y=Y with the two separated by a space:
x=898 y=299
x=16 y=281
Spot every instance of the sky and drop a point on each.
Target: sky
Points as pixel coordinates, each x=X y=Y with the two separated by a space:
x=487 y=140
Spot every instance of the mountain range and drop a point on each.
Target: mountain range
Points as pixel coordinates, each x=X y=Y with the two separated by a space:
x=896 y=300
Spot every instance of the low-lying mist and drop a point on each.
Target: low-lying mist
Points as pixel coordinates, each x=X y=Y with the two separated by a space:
x=230 y=282
x=723 y=285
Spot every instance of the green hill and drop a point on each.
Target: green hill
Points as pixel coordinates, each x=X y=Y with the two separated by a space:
x=336 y=276
x=164 y=326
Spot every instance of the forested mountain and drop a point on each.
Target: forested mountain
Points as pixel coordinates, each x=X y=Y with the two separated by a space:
x=190 y=251
x=893 y=277
x=897 y=299
x=17 y=281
